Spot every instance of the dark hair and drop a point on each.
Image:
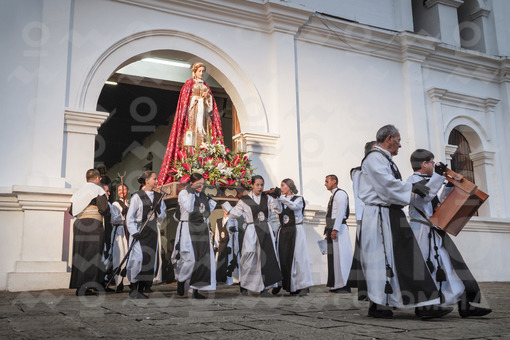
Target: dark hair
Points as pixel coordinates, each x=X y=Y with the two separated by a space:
x=256 y=177
x=123 y=185
x=195 y=177
x=145 y=176
x=333 y=177
x=419 y=156
x=384 y=132
x=92 y=174
x=369 y=146
x=291 y=185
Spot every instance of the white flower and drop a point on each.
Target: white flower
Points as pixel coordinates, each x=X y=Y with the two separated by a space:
x=228 y=171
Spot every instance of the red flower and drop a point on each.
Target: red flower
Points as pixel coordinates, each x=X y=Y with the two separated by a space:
x=181 y=154
x=172 y=171
x=223 y=181
x=206 y=175
x=192 y=151
x=185 y=179
x=236 y=159
x=231 y=181
x=186 y=166
x=227 y=150
x=243 y=172
x=201 y=160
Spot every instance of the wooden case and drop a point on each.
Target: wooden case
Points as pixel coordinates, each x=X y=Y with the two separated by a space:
x=462 y=203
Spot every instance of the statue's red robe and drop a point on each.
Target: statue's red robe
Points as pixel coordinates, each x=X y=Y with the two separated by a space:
x=175 y=142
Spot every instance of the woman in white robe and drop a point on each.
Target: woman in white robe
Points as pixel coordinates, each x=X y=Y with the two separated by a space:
x=258 y=242
x=291 y=242
x=142 y=265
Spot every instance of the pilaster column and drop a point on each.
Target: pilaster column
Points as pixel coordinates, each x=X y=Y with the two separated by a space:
x=80 y=131
x=442 y=19
x=40 y=263
x=483 y=166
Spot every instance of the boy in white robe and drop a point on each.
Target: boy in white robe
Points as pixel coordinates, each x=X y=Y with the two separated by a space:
x=440 y=253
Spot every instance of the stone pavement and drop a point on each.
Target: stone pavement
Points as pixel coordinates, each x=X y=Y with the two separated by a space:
x=227 y=315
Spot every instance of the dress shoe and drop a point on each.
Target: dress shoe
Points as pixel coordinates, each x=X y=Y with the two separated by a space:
x=244 y=291
x=197 y=295
x=109 y=290
x=430 y=312
x=135 y=294
x=343 y=290
x=120 y=288
x=276 y=290
x=379 y=311
x=265 y=293
x=303 y=292
x=180 y=288
x=473 y=311
x=85 y=292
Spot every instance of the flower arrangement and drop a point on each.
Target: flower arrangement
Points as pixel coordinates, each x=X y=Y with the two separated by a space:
x=216 y=163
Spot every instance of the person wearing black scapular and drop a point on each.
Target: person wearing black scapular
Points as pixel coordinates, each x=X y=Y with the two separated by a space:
x=146 y=209
x=223 y=248
x=452 y=276
x=356 y=277
x=259 y=265
x=395 y=272
x=90 y=206
x=193 y=255
x=339 y=248
x=291 y=240
x=120 y=238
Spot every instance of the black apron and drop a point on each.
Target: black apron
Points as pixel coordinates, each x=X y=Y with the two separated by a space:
x=330 y=223
x=287 y=243
x=201 y=241
x=149 y=237
x=268 y=263
x=222 y=259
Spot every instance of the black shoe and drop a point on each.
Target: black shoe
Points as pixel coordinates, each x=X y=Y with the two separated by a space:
x=296 y=292
x=379 y=311
x=265 y=293
x=120 y=288
x=276 y=290
x=430 y=312
x=244 y=291
x=197 y=295
x=180 y=288
x=343 y=290
x=135 y=294
x=302 y=292
x=148 y=289
x=85 y=292
x=108 y=290
x=473 y=311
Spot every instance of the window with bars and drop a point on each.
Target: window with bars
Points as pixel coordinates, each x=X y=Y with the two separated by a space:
x=461 y=162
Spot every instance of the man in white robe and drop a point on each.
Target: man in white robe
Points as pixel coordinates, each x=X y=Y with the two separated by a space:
x=453 y=278
x=337 y=235
x=356 y=277
x=394 y=268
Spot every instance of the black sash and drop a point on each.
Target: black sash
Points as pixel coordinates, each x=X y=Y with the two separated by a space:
x=200 y=239
x=149 y=237
x=268 y=263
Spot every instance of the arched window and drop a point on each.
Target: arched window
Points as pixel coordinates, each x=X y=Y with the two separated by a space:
x=461 y=162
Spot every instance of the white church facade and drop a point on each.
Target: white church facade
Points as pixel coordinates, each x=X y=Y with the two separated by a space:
x=303 y=85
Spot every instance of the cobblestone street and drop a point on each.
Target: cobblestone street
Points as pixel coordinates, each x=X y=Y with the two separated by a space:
x=227 y=315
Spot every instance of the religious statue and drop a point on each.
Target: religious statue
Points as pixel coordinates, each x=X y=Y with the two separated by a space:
x=196 y=120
